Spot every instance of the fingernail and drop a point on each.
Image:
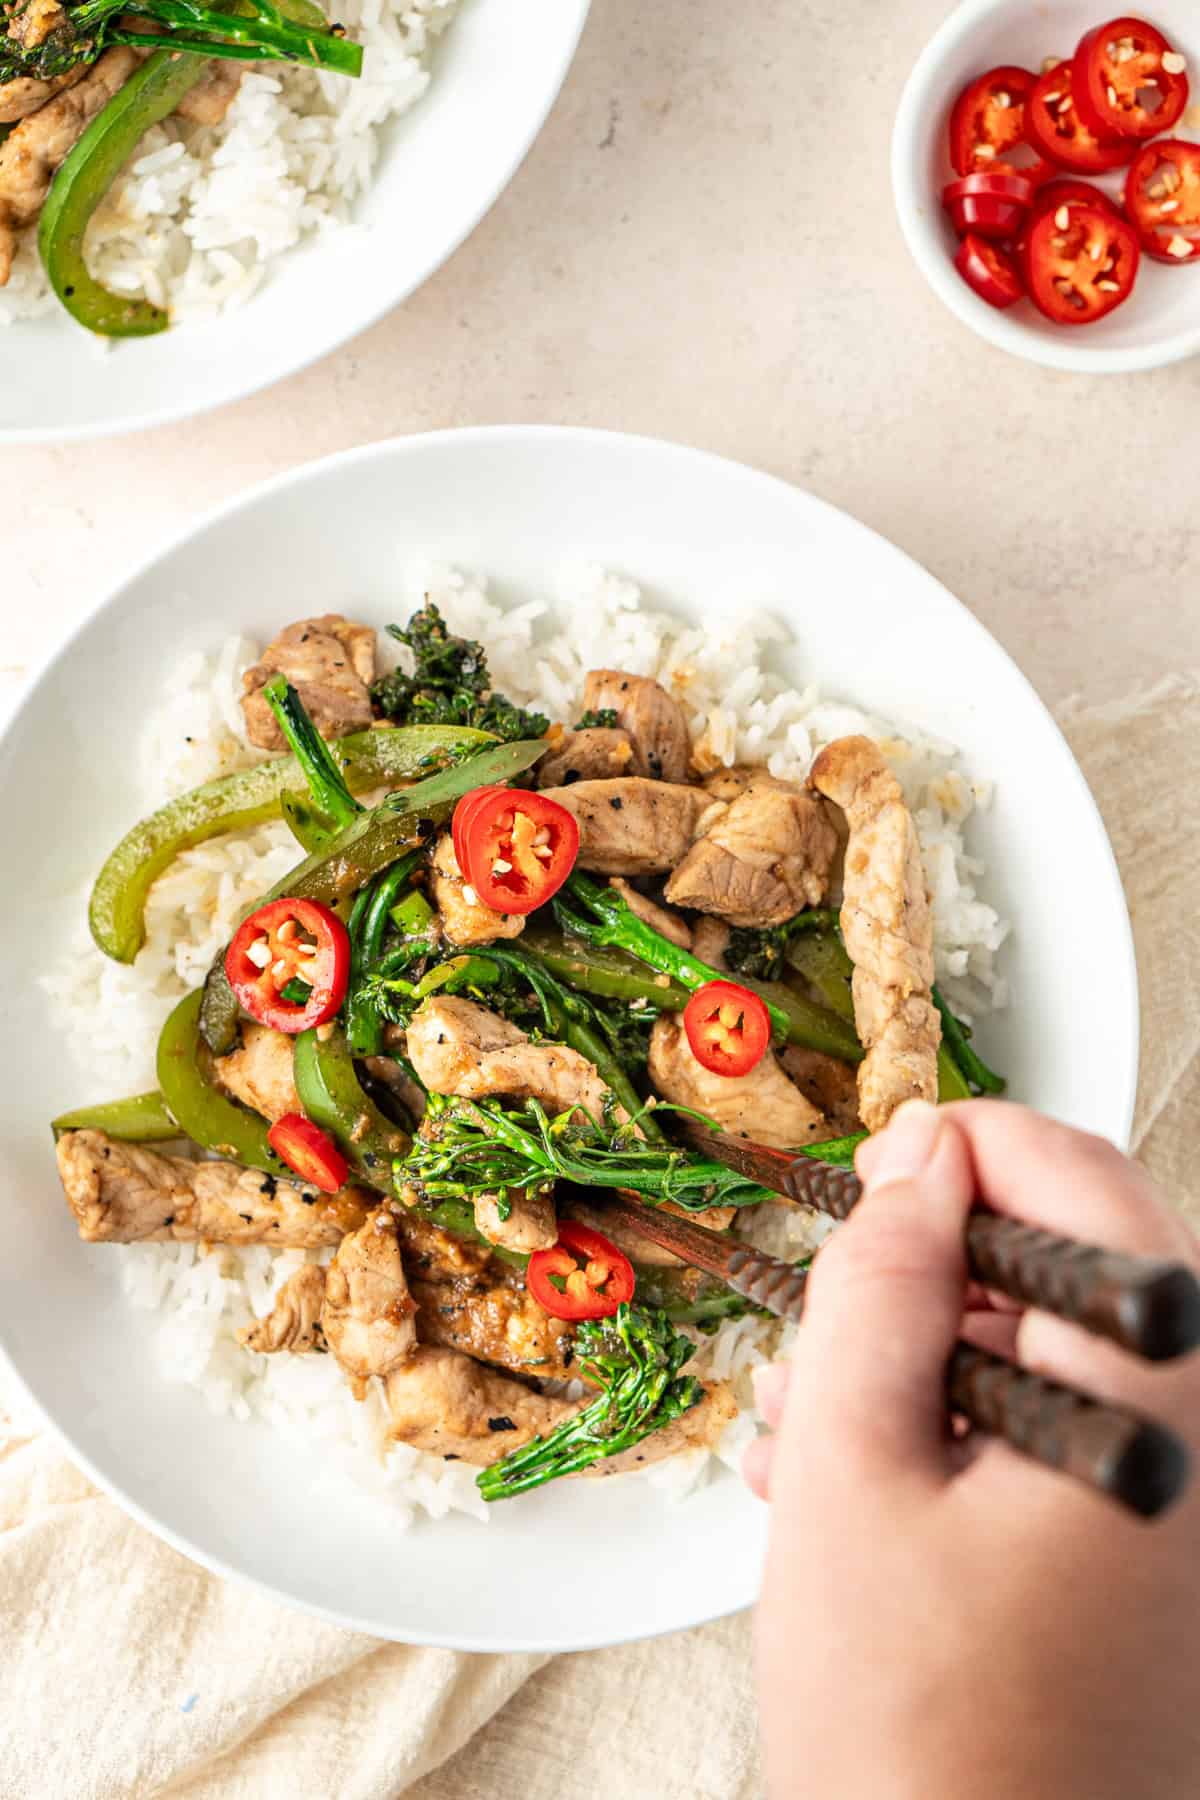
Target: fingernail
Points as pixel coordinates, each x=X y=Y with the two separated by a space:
x=905 y=1149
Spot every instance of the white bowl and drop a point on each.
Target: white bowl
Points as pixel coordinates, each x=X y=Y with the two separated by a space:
x=517 y=503
x=497 y=73
x=1160 y=322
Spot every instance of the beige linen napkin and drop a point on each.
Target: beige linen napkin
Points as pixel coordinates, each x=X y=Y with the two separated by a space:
x=127 y=1672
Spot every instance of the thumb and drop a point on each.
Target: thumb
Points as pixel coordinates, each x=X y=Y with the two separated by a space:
x=885 y=1304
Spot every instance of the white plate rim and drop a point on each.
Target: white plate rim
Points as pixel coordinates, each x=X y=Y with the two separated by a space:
x=414 y=445
x=162 y=416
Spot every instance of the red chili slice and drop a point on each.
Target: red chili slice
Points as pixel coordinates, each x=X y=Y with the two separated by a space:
x=1078 y=275
x=514 y=848
x=305 y=1148
x=1067 y=192
x=285 y=941
x=728 y=1027
x=989 y=270
x=595 y=1276
x=462 y=813
x=1129 y=82
x=1056 y=128
x=993 y=206
x=988 y=127
x=1162 y=198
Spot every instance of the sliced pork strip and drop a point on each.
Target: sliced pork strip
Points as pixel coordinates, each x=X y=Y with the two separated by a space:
x=765 y=858
x=447 y=1403
x=660 y=918
x=887 y=926
x=827 y=1084
x=710 y=941
x=465 y=919
x=123 y=1194
x=632 y=826
x=330 y=661
x=294 y=1322
x=368 y=1318
x=532 y=1223
x=211 y=98
x=593 y=754
x=259 y=1072
x=763 y=1104
x=25 y=95
x=32 y=155
x=653 y=721
x=457 y=1047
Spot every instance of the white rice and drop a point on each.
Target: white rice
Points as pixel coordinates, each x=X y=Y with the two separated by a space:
x=539 y=653
x=201 y=213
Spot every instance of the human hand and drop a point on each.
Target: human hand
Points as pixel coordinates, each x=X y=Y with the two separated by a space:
x=951 y=1620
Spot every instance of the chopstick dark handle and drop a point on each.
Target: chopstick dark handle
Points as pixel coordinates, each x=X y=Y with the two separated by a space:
x=1151 y=1308
x=1121 y=1454
x=1131 y=1459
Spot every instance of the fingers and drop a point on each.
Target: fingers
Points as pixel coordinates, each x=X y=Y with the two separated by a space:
x=757 y=1465
x=884 y=1304
x=1063 y=1180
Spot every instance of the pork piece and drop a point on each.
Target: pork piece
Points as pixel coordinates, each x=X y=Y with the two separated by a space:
x=294 y=1322
x=123 y=1194
x=465 y=919
x=633 y=826
x=259 y=1072
x=668 y=924
x=532 y=1223
x=445 y=1402
x=330 y=662
x=449 y=1404
x=369 y=1315
x=31 y=22
x=211 y=98
x=641 y=1249
x=24 y=95
x=710 y=940
x=830 y=1085
x=654 y=721
x=763 y=1105
x=766 y=857
x=731 y=782
x=32 y=155
x=457 y=1047
x=468 y=1299
x=888 y=930
x=593 y=754
x=494 y=1318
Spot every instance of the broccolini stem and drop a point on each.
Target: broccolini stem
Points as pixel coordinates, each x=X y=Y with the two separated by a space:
x=266 y=37
x=635 y=1358
x=614 y=923
x=325 y=780
x=969 y=1063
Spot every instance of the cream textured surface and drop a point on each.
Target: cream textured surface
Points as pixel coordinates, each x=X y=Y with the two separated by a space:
x=701 y=246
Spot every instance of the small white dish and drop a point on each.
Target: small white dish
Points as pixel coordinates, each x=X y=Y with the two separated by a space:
x=497 y=73
x=584 y=1563
x=1160 y=322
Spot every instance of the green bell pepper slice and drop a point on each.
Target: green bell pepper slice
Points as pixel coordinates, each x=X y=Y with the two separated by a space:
x=141 y=1119
x=234 y=803
x=333 y=1098
x=206 y=1115
x=151 y=93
